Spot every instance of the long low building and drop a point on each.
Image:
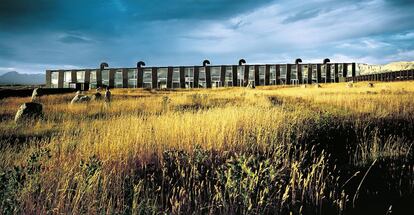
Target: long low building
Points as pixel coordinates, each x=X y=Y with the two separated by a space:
x=205 y=76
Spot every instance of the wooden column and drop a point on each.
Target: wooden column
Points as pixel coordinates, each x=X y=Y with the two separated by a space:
x=112 y=78
x=288 y=73
x=299 y=73
x=318 y=73
x=328 y=73
x=234 y=75
x=267 y=75
x=48 y=78
x=182 y=77
x=170 y=73
x=353 y=70
x=98 y=78
x=246 y=75
x=88 y=76
x=154 y=77
x=73 y=76
x=196 y=76
x=223 y=75
x=61 y=78
x=256 y=75
x=140 y=77
x=124 y=78
x=336 y=73
x=277 y=74
x=344 y=70
x=310 y=70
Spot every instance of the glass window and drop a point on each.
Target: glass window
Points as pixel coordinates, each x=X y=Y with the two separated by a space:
x=54 y=79
x=148 y=78
x=240 y=75
x=215 y=76
x=202 y=77
x=119 y=83
x=105 y=78
x=189 y=77
x=92 y=79
x=262 y=70
x=229 y=76
x=67 y=79
x=80 y=76
x=162 y=74
x=132 y=78
x=272 y=77
x=176 y=77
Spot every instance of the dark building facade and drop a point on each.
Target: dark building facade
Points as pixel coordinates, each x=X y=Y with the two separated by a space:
x=205 y=76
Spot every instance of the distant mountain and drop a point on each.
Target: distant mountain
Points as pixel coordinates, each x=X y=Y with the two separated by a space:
x=394 y=66
x=15 y=78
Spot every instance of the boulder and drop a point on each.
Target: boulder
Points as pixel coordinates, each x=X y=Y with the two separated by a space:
x=80 y=99
x=36 y=95
x=97 y=96
x=28 y=111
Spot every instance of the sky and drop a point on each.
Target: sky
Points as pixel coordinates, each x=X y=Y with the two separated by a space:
x=64 y=34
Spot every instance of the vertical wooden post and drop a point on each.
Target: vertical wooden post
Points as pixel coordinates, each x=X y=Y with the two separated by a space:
x=182 y=77
x=318 y=73
x=48 y=78
x=170 y=73
x=267 y=75
x=196 y=76
x=336 y=72
x=223 y=76
x=353 y=70
x=88 y=76
x=125 y=78
x=277 y=74
x=256 y=75
x=288 y=73
x=112 y=78
x=246 y=75
x=73 y=76
x=140 y=77
x=328 y=73
x=299 y=73
x=154 y=77
x=234 y=75
x=61 y=78
x=310 y=70
x=344 y=70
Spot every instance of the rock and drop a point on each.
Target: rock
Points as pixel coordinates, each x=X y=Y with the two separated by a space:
x=36 y=95
x=27 y=111
x=370 y=85
x=97 y=96
x=80 y=99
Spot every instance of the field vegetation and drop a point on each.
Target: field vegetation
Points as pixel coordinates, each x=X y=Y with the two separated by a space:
x=269 y=150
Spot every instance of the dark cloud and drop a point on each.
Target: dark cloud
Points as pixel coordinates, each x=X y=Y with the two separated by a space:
x=73 y=39
x=303 y=15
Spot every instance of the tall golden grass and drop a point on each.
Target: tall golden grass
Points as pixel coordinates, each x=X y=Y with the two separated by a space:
x=228 y=150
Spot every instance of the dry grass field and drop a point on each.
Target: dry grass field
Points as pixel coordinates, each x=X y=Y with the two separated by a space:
x=269 y=150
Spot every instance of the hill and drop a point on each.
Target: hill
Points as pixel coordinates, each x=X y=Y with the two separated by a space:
x=394 y=66
x=15 y=78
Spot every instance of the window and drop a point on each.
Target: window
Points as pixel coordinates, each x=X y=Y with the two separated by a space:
x=119 y=83
x=105 y=78
x=80 y=76
x=67 y=79
x=54 y=80
x=162 y=74
x=132 y=78
x=92 y=79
